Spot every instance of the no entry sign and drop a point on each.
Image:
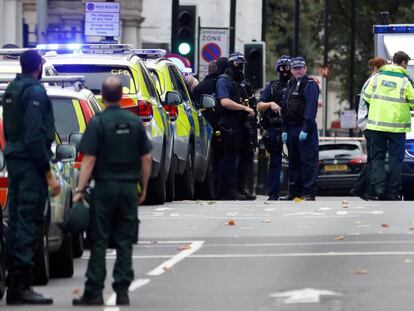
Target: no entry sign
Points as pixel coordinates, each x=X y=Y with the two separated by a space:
x=214 y=43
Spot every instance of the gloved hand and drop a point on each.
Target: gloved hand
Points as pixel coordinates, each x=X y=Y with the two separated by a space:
x=284 y=137
x=302 y=136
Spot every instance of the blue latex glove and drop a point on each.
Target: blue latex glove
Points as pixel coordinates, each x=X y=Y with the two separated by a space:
x=302 y=136
x=284 y=137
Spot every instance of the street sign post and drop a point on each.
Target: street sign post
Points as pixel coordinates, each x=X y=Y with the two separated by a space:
x=102 y=19
x=214 y=43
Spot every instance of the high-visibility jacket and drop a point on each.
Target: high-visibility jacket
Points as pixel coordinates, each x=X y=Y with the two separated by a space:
x=390 y=96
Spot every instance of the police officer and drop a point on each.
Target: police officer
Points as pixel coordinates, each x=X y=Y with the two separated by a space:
x=300 y=132
x=116 y=152
x=232 y=116
x=389 y=96
x=29 y=130
x=270 y=104
x=208 y=86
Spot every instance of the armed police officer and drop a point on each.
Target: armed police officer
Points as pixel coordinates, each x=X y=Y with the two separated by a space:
x=29 y=131
x=116 y=153
x=300 y=132
x=233 y=114
x=270 y=104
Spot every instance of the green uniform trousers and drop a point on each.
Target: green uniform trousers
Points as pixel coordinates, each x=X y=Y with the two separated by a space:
x=114 y=216
x=27 y=195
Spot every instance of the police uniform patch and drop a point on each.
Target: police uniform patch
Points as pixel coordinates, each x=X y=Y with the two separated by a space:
x=122 y=128
x=36 y=103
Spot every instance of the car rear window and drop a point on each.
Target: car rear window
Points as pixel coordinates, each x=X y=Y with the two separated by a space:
x=66 y=120
x=95 y=75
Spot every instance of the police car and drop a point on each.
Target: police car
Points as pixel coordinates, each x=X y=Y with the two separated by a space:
x=192 y=132
x=96 y=62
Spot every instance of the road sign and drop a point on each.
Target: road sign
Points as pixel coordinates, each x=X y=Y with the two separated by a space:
x=102 y=19
x=214 y=43
x=348 y=119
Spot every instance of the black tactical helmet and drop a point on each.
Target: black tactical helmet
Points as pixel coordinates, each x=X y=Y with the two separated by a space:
x=79 y=218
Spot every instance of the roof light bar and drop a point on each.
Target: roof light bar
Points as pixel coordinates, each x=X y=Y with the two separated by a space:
x=86 y=48
x=15 y=52
x=149 y=53
x=394 y=28
x=52 y=79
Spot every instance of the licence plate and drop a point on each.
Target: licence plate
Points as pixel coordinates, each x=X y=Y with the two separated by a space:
x=336 y=168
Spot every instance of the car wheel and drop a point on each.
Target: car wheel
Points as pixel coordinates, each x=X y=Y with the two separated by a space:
x=41 y=271
x=156 y=187
x=170 y=183
x=205 y=189
x=185 y=183
x=61 y=262
x=77 y=246
x=2 y=258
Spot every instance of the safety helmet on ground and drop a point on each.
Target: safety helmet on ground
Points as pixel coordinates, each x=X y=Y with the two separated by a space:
x=79 y=218
x=284 y=60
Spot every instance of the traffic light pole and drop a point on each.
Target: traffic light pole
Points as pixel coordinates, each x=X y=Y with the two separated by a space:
x=233 y=4
x=325 y=66
x=174 y=22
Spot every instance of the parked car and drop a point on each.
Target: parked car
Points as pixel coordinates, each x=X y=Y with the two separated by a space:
x=340 y=162
x=96 y=62
x=192 y=132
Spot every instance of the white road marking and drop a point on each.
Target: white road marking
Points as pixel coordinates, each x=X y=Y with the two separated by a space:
x=306 y=295
x=342 y=213
x=194 y=246
x=160 y=209
x=309 y=243
x=174 y=215
x=112 y=308
x=232 y=214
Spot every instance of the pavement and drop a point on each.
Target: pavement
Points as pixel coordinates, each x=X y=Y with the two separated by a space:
x=336 y=253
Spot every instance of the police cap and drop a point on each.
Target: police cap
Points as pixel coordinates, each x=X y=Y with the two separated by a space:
x=30 y=61
x=79 y=218
x=237 y=58
x=298 y=62
x=284 y=60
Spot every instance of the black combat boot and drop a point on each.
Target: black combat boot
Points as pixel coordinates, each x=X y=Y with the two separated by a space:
x=21 y=293
x=122 y=299
x=88 y=301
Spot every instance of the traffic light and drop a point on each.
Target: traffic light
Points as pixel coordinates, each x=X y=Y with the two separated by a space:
x=184 y=32
x=255 y=67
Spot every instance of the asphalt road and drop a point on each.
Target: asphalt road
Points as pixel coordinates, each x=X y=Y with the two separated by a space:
x=332 y=254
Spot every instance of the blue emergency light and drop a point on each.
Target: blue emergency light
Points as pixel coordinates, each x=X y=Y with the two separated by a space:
x=409 y=146
x=393 y=29
x=86 y=48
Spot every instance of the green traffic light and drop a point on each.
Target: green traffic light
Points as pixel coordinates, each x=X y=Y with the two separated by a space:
x=184 y=48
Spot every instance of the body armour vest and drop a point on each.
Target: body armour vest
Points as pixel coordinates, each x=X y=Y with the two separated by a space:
x=295 y=102
x=237 y=97
x=13 y=115
x=119 y=154
x=271 y=119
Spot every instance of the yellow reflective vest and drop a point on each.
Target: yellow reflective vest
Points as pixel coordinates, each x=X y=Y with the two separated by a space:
x=390 y=96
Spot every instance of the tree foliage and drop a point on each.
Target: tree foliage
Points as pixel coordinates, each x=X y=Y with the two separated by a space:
x=280 y=32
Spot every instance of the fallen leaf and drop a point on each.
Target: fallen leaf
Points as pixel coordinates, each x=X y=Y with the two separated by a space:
x=384 y=225
x=184 y=247
x=339 y=238
x=167 y=269
x=411 y=228
x=360 y=271
x=267 y=221
x=76 y=291
x=211 y=202
x=298 y=200
x=345 y=206
x=231 y=222
x=154 y=242
x=345 y=202
x=266 y=203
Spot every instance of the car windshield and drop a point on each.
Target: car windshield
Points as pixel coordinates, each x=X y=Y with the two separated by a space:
x=95 y=75
x=410 y=69
x=66 y=120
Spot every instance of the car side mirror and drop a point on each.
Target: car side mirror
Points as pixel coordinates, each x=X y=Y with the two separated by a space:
x=208 y=101
x=173 y=98
x=75 y=139
x=2 y=161
x=65 y=152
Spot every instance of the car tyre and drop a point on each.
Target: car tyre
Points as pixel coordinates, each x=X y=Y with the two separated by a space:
x=156 y=187
x=170 y=183
x=205 y=189
x=61 y=262
x=185 y=183
x=77 y=245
